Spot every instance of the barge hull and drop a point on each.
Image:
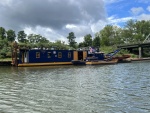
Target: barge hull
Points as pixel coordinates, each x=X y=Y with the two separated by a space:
x=44 y=64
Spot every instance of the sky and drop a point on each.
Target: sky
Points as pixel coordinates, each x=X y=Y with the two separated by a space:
x=55 y=19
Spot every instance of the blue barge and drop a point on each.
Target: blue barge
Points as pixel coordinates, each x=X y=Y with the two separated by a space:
x=51 y=57
x=44 y=57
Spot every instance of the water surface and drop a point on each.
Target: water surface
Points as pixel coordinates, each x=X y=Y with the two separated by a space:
x=121 y=88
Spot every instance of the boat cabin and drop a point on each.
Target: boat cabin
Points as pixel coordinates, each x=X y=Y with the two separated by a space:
x=43 y=56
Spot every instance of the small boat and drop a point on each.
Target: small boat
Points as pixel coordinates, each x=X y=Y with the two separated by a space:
x=123 y=58
x=120 y=58
x=102 y=62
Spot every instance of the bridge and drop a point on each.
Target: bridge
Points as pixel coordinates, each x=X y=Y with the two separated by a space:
x=139 y=48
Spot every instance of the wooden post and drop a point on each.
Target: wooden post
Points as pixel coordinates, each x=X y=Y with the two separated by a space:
x=140 y=52
x=14 y=54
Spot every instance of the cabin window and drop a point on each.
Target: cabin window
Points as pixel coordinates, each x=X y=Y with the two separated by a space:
x=49 y=54
x=59 y=55
x=69 y=55
x=37 y=54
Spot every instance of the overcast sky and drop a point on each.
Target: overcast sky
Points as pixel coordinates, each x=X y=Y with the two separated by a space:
x=55 y=19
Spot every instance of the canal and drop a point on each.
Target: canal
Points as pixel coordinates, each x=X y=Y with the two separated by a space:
x=121 y=88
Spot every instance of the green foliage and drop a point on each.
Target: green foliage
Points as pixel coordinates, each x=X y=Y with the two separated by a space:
x=11 y=35
x=96 y=41
x=37 y=41
x=133 y=56
x=43 y=40
x=111 y=35
x=5 y=59
x=58 y=44
x=107 y=49
x=87 y=40
x=3 y=48
x=5 y=52
x=2 y=33
x=106 y=35
x=81 y=44
x=142 y=30
x=122 y=52
x=71 y=40
x=33 y=38
x=22 y=45
x=136 y=31
x=22 y=37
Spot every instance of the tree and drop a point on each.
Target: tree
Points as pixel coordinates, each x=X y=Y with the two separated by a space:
x=11 y=35
x=81 y=44
x=2 y=33
x=142 y=29
x=117 y=36
x=136 y=31
x=31 y=38
x=43 y=39
x=87 y=40
x=111 y=35
x=22 y=37
x=58 y=44
x=4 y=48
x=96 y=41
x=38 y=41
x=71 y=40
x=129 y=31
x=106 y=34
x=34 y=38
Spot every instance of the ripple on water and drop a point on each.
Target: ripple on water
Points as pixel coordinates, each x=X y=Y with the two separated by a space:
x=121 y=88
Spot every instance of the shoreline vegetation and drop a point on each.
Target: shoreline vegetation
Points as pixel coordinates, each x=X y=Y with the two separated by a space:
x=106 y=39
x=6 y=59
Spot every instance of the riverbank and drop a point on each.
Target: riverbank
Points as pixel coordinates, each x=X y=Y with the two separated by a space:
x=139 y=59
x=5 y=63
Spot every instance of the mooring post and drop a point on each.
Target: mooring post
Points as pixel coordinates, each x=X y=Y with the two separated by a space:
x=140 y=52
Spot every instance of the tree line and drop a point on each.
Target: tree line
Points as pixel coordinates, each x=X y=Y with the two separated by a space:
x=132 y=32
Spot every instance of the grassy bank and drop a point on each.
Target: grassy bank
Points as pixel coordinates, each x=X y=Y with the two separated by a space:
x=5 y=59
x=108 y=49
